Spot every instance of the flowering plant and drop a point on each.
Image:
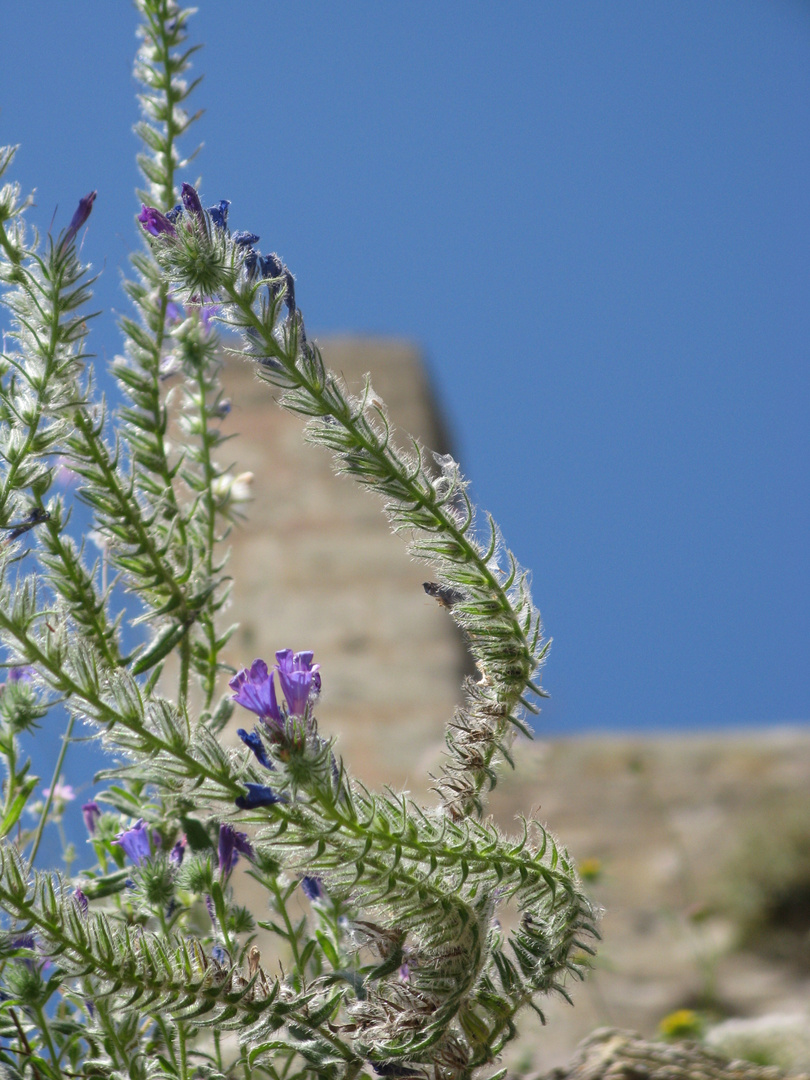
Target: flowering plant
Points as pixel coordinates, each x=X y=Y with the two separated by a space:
x=142 y=965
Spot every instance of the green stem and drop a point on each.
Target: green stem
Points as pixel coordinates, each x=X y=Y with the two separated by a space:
x=42 y=1023
x=291 y=935
x=57 y=772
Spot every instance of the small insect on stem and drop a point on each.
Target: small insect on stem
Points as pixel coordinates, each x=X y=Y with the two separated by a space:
x=443 y=595
x=36 y=517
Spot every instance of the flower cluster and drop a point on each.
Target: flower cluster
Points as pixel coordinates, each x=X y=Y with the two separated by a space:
x=210 y=223
x=300 y=682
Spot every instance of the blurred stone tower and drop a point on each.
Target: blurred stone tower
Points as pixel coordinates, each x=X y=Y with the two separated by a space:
x=315 y=567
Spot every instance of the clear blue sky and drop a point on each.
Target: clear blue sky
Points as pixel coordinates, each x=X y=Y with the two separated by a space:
x=593 y=217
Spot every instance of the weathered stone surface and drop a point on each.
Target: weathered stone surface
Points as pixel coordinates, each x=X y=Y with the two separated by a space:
x=315 y=567
x=609 y=1054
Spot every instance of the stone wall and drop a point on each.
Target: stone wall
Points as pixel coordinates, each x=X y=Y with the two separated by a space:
x=315 y=567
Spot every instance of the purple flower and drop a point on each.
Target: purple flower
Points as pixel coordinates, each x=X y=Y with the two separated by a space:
x=312 y=888
x=271 y=266
x=175 y=213
x=178 y=851
x=191 y=202
x=244 y=239
x=81 y=901
x=232 y=844
x=91 y=812
x=220 y=955
x=254 y=740
x=299 y=679
x=156 y=223
x=135 y=842
x=255 y=691
x=258 y=795
x=219 y=213
x=79 y=218
x=20 y=674
x=289 y=291
x=251 y=262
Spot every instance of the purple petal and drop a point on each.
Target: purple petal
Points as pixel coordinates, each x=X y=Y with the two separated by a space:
x=91 y=812
x=296 y=686
x=258 y=795
x=135 y=842
x=219 y=213
x=191 y=201
x=79 y=218
x=156 y=223
x=255 y=690
x=254 y=740
x=231 y=845
x=312 y=888
x=244 y=239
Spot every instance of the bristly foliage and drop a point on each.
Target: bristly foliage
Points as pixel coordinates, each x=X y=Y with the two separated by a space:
x=136 y=967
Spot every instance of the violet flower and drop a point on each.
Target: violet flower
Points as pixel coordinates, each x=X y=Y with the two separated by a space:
x=91 y=812
x=178 y=851
x=271 y=266
x=79 y=218
x=255 y=691
x=19 y=674
x=81 y=901
x=298 y=678
x=136 y=842
x=232 y=844
x=156 y=223
x=251 y=262
x=219 y=213
x=244 y=239
x=258 y=795
x=253 y=740
x=191 y=202
x=220 y=955
x=289 y=293
x=312 y=888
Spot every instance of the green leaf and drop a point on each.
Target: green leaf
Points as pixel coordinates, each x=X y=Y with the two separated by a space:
x=12 y=815
x=328 y=949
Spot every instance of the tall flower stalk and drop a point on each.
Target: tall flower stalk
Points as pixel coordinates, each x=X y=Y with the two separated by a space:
x=138 y=965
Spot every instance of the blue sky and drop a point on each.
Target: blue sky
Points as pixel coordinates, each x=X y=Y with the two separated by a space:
x=592 y=217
